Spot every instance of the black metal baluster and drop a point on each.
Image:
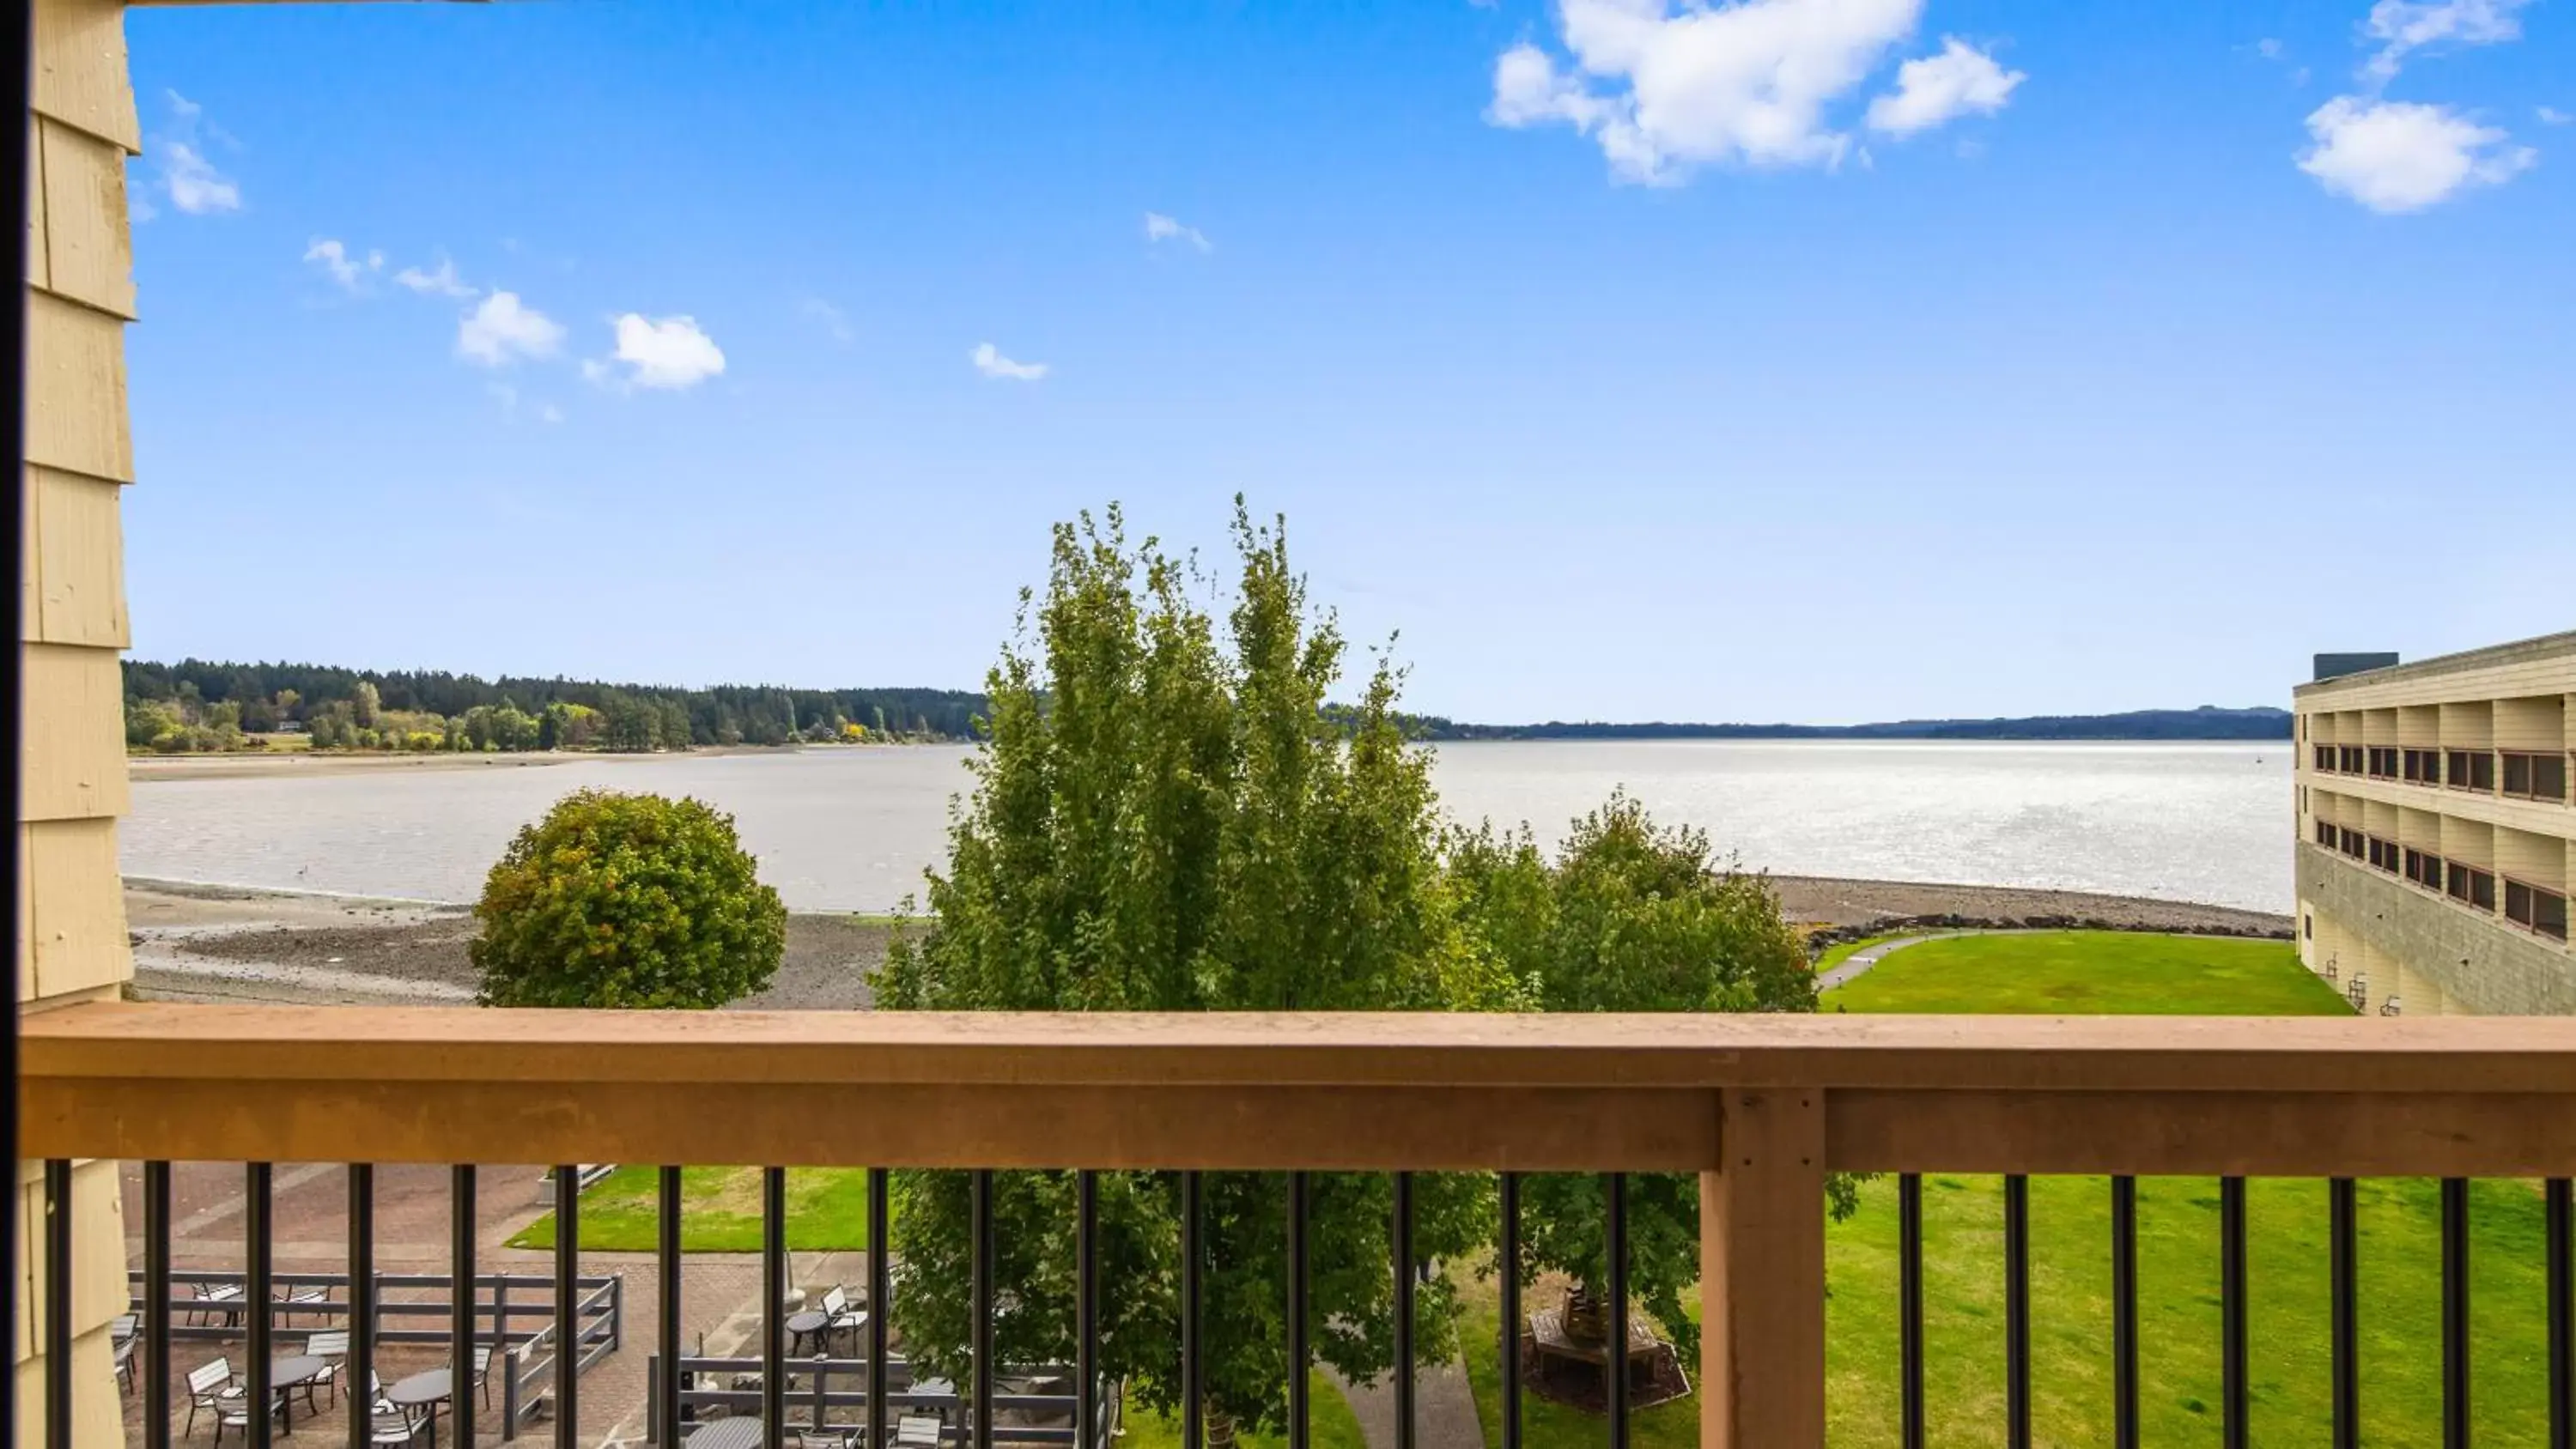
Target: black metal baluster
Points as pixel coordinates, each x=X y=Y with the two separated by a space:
x=1298 y=1371
x=2560 y=1215
x=156 y=1305
x=1615 y=1363
x=773 y=1306
x=1909 y=1309
x=1508 y=1255
x=258 y=1229
x=461 y=1308
x=2455 y=1313
x=1193 y=1377
x=2235 y=1392
x=2017 y=1312
x=880 y=1295
x=982 y=1288
x=1400 y=1241
x=666 y=1268
x=2344 y=1234
x=58 y=1303
x=1086 y=1312
x=567 y=1305
x=358 y=1383
x=2124 y=1312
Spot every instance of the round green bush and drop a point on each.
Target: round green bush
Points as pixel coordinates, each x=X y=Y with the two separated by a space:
x=626 y=901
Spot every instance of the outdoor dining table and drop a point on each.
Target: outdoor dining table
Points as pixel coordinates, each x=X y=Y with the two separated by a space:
x=727 y=1433
x=292 y=1372
x=429 y=1388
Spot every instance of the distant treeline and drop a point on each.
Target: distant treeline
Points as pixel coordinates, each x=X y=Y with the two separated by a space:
x=2205 y=723
x=199 y=704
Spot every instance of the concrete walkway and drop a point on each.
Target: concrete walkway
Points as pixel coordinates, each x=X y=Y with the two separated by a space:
x=1444 y=1408
x=1857 y=964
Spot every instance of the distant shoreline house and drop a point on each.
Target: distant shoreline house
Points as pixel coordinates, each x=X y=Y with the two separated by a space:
x=2437 y=829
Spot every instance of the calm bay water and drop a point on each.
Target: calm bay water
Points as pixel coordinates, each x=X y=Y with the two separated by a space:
x=853 y=829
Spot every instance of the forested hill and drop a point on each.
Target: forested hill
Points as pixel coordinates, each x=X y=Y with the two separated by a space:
x=269 y=696
x=2205 y=723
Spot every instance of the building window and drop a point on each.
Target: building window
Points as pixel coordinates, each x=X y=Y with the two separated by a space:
x=2472 y=770
x=2423 y=869
x=2348 y=759
x=2473 y=886
x=2326 y=758
x=2423 y=767
x=2325 y=835
x=2384 y=854
x=2351 y=842
x=2309 y=924
x=2383 y=762
x=2544 y=911
x=2535 y=777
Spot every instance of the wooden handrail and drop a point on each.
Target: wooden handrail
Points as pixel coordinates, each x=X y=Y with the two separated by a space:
x=1760 y=1106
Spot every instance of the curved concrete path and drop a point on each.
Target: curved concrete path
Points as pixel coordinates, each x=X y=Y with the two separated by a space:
x=1857 y=964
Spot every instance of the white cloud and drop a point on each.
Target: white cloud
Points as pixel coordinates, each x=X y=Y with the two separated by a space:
x=193 y=183
x=335 y=259
x=504 y=329
x=990 y=362
x=2403 y=27
x=668 y=352
x=549 y=413
x=829 y=317
x=443 y=282
x=2268 y=48
x=1940 y=88
x=187 y=177
x=2552 y=116
x=2396 y=156
x=1665 y=86
x=1161 y=228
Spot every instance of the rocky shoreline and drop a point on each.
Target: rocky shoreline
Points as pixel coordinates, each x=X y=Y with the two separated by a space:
x=195 y=942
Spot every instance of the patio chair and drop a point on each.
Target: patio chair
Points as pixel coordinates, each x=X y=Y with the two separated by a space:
x=296 y=1297
x=483 y=1373
x=916 y=1431
x=122 y=1358
x=839 y=1314
x=210 y=1387
x=332 y=1348
x=207 y=1300
x=390 y=1425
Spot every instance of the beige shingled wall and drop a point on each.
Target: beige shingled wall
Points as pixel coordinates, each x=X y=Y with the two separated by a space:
x=71 y=937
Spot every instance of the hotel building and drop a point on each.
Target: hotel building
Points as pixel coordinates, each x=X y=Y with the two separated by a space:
x=2437 y=829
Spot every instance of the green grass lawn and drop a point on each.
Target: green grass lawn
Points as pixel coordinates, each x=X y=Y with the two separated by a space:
x=827 y=1210
x=1330 y=1424
x=2088 y=972
x=2083 y=972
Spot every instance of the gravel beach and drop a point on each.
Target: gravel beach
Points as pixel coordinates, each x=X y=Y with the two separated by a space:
x=222 y=943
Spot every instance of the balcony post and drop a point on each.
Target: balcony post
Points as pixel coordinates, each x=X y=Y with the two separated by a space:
x=1762 y=1273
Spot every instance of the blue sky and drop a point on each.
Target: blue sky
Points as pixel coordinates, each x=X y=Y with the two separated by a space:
x=1804 y=359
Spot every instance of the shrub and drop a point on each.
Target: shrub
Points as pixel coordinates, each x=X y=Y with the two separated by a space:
x=626 y=901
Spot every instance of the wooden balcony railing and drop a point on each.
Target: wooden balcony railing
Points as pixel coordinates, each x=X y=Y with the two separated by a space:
x=1763 y=1107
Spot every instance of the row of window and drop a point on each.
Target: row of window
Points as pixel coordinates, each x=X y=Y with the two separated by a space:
x=2524 y=775
x=2528 y=906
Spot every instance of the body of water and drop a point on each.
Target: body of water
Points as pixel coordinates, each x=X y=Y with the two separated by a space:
x=853 y=829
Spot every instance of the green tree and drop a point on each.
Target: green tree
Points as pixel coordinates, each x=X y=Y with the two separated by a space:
x=1628 y=918
x=1161 y=820
x=149 y=720
x=619 y=900
x=364 y=701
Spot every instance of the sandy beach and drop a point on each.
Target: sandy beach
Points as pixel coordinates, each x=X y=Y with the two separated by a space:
x=221 y=943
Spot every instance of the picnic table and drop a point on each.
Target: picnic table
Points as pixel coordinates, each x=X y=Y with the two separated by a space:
x=1548 y=1336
